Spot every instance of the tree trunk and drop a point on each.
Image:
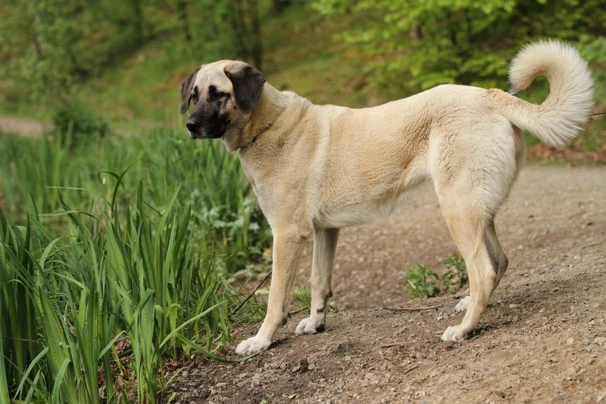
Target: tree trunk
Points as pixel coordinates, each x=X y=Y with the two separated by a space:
x=37 y=37
x=278 y=6
x=183 y=18
x=139 y=37
x=256 y=49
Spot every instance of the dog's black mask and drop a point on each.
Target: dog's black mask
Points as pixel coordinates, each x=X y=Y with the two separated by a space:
x=209 y=119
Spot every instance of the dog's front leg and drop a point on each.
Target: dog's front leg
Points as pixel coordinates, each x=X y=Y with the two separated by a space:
x=325 y=244
x=287 y=250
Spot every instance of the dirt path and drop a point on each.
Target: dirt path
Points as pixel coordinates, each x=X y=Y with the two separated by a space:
x=20 y=126
x=543 y=338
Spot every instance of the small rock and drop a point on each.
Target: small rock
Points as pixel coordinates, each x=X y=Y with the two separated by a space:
x=570 y=341
x=600 y=341
x=255 y=381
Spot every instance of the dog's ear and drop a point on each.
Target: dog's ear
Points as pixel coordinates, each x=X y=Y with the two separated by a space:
x=186 y=87
x=248 y=84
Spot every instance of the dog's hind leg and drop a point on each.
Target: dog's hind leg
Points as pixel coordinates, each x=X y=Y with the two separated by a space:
x=325 y=244
x=469 y=233
x=498 y=260
x=497 y=256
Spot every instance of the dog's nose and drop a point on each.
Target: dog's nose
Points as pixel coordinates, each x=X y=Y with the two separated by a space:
x=192 y=125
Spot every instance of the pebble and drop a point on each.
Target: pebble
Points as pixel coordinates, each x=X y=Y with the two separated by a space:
x=371 y=378
x=255 y=381
x=600 y=341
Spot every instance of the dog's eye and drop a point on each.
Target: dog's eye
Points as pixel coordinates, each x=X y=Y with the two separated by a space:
x=214 y=94
x=194 y=96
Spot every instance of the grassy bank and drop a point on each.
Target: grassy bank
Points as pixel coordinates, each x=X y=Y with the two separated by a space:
x=115 y=255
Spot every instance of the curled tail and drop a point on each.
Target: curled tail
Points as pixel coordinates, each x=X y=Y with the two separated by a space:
x=567 y=107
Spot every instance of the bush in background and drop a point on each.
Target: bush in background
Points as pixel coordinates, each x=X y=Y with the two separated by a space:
x=76 y=122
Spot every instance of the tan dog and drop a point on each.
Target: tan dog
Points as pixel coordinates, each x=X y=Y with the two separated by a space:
x=316 y=169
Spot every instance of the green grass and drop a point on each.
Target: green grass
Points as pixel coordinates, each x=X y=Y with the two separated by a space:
x=39 y=176
x=114 y=256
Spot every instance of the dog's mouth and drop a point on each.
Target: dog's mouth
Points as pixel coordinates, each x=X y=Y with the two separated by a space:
x=207 y=132
x=194 y=135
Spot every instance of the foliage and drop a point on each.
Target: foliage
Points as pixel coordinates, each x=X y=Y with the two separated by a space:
x=39 y=175
x=415 y=45
x=108 y=281
x=50 y=48
x=594 y=51
x=79 y=123
x=102 y=271
x=421 y=282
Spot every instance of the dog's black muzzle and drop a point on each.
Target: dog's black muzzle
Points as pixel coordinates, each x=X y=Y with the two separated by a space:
x=206 y=126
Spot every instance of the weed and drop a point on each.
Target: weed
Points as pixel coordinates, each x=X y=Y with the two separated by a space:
x=422 y=282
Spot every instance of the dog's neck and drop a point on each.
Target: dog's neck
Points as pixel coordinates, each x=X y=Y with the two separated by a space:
x=270 y=106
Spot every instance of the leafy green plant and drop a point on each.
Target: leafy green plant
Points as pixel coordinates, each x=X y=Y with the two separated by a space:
x=76 y=123
x=421 y=282
x=127 y=274
x=432 y=42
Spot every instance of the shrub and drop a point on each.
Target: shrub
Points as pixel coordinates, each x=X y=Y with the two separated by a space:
x=75 y=122
x=421 y=282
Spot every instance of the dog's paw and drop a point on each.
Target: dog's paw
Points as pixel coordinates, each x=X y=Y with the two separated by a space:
x=252 y=346
x=463 y=304
x=310 y=325
x=453 y=334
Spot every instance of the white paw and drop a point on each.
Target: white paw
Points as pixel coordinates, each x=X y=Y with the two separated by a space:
x=463 y=304
x=453 y=334
x=310 y=325
x=252 y=346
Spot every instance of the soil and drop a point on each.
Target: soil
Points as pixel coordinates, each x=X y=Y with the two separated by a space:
x=542 y=339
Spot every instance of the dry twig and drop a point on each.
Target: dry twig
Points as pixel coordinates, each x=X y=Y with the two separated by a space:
x=411 y=308
x=238 y=307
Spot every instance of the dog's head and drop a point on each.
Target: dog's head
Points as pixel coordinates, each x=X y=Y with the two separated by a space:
x=224 y=94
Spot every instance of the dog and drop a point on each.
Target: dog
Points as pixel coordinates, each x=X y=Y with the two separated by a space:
x=316 y=169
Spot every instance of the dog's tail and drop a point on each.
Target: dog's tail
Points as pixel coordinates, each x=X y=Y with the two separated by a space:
x=567 y=107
